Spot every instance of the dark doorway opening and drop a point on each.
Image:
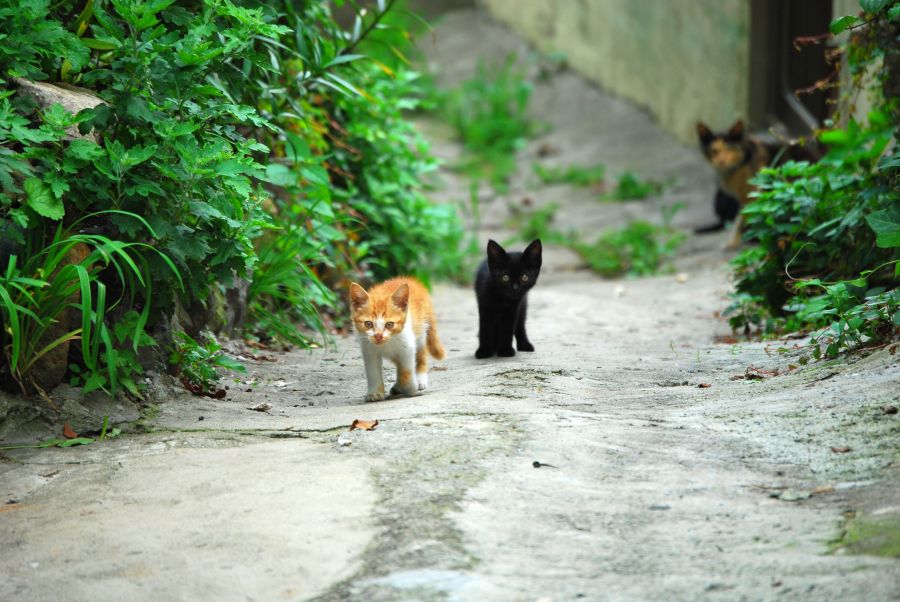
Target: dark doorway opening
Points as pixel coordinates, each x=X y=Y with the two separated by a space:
x=778 y=68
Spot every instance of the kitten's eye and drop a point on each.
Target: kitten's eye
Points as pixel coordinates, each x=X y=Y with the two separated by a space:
x=505 y=277
x=369 y=324
x=389 y=325
x=524 y=277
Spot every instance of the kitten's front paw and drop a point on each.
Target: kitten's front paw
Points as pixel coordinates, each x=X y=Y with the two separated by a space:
x=510 y=352
x=375 y=396
x=482 y=353
x=525 y=346
x=408 y=389
x=422 y=379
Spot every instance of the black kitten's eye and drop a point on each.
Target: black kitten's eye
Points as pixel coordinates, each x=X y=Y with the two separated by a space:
x=505 y=277
x=524 y=277
x=369 y=324
x=388 y=325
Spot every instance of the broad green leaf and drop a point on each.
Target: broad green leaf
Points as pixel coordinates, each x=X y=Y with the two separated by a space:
x=841 y=24
x=226 y=362
x=874 y=6
x=96 y=44
x=86 y=150
x=886 y=225
x=279 y=175
x=41 y=199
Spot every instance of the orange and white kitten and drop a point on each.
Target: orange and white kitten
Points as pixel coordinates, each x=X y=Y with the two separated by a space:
x=395 y=320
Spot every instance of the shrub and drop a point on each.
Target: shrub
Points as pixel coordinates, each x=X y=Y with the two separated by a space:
x=489 y=114
x=827 y=255
x=38 y=293
x=219 y=121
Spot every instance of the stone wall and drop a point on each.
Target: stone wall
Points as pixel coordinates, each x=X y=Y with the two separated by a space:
x=683 y=60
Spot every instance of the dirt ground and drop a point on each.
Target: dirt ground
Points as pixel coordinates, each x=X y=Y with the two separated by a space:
x=650 y=486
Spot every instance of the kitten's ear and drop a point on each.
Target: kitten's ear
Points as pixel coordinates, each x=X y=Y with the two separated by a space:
x=704 y=133
x=495 y=254
x=358 y=296
x=736 y=132
x=400 y=297
x=532 y=253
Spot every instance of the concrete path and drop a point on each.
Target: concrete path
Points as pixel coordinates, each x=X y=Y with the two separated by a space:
x=657 y=488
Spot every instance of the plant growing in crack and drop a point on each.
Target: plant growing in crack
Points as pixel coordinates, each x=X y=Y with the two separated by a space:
x=198 y=364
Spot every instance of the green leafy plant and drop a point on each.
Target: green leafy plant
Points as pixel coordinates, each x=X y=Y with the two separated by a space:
x=827 y=255
x=489 y=114
x=630 y=187
x=197 y=364
x=128 y=336
x=285 y=295
x=58 y=294
x=384 y=161
x=573 y=175
x=856 y=315
x=814 y=223
x=639 y=249
x=218 y=122
x=538 y=224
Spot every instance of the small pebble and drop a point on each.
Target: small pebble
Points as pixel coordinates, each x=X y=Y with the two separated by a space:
x=890 y=409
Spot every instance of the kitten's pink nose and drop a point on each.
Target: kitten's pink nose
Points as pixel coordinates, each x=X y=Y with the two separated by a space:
x=378 y=336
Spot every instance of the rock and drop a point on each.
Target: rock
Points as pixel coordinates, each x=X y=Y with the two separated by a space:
x=72 y=98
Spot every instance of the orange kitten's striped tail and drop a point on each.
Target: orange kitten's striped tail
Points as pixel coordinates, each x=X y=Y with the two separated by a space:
x=433 y=343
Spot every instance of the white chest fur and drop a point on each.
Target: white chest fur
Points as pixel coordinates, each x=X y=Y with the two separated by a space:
x=400 y=349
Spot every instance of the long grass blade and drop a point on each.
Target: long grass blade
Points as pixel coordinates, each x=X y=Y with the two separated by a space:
x=99 y=326
x=84 y=280
x=110 y=357
x=11 y=311
x=69 y=336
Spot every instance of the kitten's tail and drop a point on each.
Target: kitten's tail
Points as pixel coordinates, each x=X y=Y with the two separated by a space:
x=433 y=343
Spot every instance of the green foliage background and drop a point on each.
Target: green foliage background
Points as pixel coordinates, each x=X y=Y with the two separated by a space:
x=235 y=140
x=827 y=257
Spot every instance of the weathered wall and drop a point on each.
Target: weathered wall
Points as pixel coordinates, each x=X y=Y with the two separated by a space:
x=683 y=60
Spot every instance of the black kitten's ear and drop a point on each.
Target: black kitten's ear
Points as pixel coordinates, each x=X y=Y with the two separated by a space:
x=532 y=253
x=704 y=133
x=736 y=132
x=496 y=256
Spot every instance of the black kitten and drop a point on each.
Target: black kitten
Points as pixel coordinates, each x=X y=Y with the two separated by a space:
x=501 y=287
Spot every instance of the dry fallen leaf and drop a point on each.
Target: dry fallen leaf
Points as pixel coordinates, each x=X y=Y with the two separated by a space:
x=704 y=386
x=840 y=450
x=261 y=407
x=363 y=425
x=68 y=433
